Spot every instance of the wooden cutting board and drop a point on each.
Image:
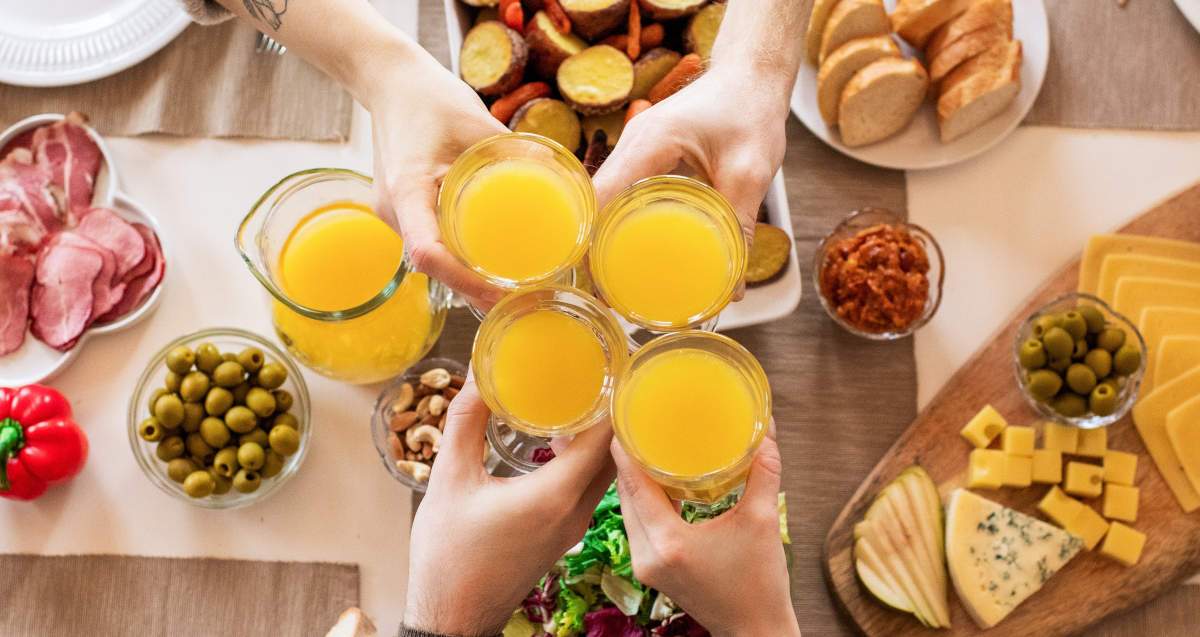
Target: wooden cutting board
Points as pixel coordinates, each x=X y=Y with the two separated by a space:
x=1090 y=587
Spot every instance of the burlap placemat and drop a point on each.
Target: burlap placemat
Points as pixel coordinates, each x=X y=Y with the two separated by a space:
x=209 y=82
x=1137 y=67
x=118 y=596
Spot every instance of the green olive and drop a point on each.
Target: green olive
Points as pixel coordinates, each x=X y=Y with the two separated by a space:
x=1032 y=354
x=1059 y=365
x=251 y=359
x=284 y=439
x=240 y=392
x=1100 y=361
x=228 y=374
x=1093 y=317
x=1111 y=339
x=246 y=481
x=240 y=419
x=287 y=420
x=258 y=437
x=158 y=392
x=151 y=430
x=172 y=381
x=1103 y=400
x=1059 y=343
x=1042 y=324
x=272 y=376
x=199 y=484
x=1111 y=382
x=283 y=400
x=251 y=456
x=196 y=447
x=226 y=463
x=207 y=357
x=214 y=432
x=273 y=464
x=180 y=359
x=260 y=401
x=1127 y=359
x=1081 y=379
x=179 y=468
x=169 y=411
x=193 y=414
x=221 y=484
x=1081 y=349
x=1069 y=405
x=1075 y=325
x=218 y=401
x=1043 y=384
x=169 y=448
x=194 y=386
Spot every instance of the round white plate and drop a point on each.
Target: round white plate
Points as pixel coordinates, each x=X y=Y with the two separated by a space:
x=1190 y=10
x=63 y=42
x=919 y=145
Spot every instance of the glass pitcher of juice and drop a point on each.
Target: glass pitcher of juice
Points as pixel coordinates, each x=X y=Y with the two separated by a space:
x=343 y=298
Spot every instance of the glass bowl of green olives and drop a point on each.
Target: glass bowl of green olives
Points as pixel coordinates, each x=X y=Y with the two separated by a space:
x=220 y=418
x=1079 y=362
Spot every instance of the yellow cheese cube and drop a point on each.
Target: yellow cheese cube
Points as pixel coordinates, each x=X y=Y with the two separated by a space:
x=1121 y=502
x=986 y=469
x=1047 y=466
x=1018 y=441
x=1088 y=526
x=1018 y=471
x=1120 y=467
x=1084 y=480
x=984 y=427
x=1060 y=507
x=1092 y=443
x=1123 y=544
x=1061 y=438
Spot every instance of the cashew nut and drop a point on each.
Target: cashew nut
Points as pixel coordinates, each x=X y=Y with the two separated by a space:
x=437 y=404
x=418 y=470
x=425 y=433
x=436 y=378
x=423 y=406
x=404 y=399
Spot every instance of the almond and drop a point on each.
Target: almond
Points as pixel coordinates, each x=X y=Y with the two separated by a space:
x=403 y=421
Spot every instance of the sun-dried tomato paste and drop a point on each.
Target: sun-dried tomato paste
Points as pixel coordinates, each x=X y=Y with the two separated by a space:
x=877 y=280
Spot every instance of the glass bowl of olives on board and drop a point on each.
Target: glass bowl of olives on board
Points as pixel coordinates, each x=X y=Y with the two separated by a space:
x=1079 y=362
x=220 y=418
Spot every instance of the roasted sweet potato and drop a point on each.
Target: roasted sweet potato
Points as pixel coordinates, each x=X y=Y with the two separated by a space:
x=650 y=68
x=701 y=30
x=670 y=9
x=596 y=80
x=769 y=253
x=493 y=58
x=594 y=19
x=612 y=124
x=481 y=3
x=547 y=47
x=485 y=14
x=549 y=118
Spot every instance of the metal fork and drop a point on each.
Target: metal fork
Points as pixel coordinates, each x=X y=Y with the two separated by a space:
x=267 y=44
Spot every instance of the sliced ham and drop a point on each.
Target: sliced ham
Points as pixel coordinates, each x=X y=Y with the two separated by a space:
x=28 y=211
x=62 y=298
x=16 y=279
x=108 y=229
x=107 y=289
x=73 y=158
x=146 y=277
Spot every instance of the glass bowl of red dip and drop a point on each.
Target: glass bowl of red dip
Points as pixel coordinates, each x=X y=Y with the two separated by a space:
x=878 y=276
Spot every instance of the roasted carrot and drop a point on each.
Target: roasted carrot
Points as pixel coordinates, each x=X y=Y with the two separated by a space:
x=558 y=16
x=634 y=46
x=597 y=151
x=635 y=107
x=513 y=15
x=504 y=108
x=652 y=36
x=686 y=70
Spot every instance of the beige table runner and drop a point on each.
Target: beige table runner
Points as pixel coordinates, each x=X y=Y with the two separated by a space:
x=118 y=596
x=209 y=82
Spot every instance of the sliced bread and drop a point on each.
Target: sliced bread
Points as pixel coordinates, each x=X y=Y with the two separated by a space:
x=916 y=20
x=979 y=90
x=880 y=100
x=980 y=15
x=842 y=64
x=816 y=28
x=850 y=20
x=965 y=48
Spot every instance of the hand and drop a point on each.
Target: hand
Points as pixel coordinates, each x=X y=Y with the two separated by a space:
x=729 y=573
x=481 y=543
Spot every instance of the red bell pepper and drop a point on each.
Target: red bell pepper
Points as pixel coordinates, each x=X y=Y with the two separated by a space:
x=40 y=444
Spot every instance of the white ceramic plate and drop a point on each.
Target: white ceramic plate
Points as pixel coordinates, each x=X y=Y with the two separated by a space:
x=1190 y=10
x=919 y=146
x=63 y=42
x=761 y=304
x=35 y=361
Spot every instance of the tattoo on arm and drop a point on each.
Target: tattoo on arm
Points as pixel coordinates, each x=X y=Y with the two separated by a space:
x=269 y=12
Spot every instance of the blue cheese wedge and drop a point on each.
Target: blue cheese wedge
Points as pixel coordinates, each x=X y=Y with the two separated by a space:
x=999 y=557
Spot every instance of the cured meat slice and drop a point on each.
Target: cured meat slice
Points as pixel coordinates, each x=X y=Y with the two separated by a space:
x=62 y=299
x=146 y=277
x=28 y=211
x=16 y=279
x=106 y=290
x=73 y=159
x=110 y=231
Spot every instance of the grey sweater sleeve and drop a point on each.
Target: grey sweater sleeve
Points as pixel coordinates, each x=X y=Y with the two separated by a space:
x=206 y=11
x=410 y=632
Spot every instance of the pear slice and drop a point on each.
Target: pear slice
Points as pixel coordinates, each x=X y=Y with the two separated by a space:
x=907 y=538
x=867 y=564
x=876 y=535
x=927 y=508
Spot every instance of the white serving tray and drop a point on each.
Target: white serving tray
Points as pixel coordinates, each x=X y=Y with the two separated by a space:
x=761 y=304
x=34 y=361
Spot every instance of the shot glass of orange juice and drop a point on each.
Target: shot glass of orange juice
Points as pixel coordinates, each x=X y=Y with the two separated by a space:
x=518 y=209
x=546 y=360
x=691 y=408
x=668 y=254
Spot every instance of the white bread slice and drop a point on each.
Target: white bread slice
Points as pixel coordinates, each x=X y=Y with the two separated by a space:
x=965 y=48
x=842 y=64
x=880 y=100
x=979 y=90
x=852 y=19
x=916 y=20
x=981 y=14
x=816 y=28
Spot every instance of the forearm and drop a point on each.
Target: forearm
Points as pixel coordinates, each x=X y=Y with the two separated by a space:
x=762 y=40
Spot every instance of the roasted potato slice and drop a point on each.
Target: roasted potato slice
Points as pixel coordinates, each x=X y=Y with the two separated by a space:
x=670 y=9
x=593 y=19
x=549 y=118
x=597 y=80
x=481 y=3
x=650 y=68
x=612 y=124
x=702 y=30
x=769 y=254
x=547 y=47
x=493 y=58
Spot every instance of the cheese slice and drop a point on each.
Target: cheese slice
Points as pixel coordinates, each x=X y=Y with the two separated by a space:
x=1183 y=428
x=1136 y=293
x=1116 y=266
x=1173 y=357
x=1150 y=418
x=1101 y=245
x=999 y=557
